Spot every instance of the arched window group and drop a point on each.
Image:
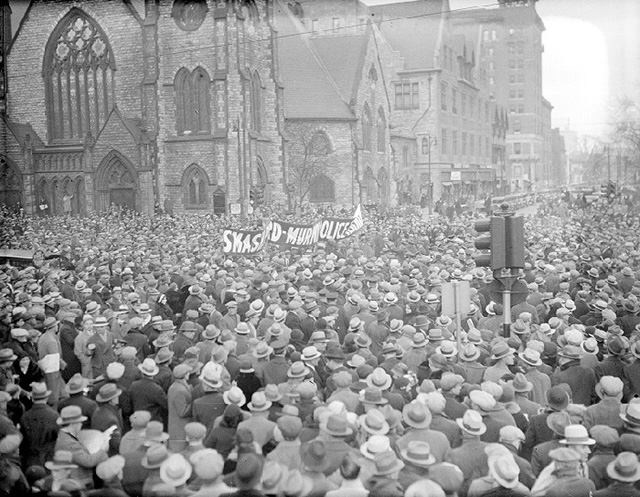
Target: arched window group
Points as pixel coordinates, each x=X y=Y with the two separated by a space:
x=79 y=70
x=193 y=101
x=367 y=129
x=195 y=185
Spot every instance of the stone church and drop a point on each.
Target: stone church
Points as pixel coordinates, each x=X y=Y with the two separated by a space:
x=141 y=104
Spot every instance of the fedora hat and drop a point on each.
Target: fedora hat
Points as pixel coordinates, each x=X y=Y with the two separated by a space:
x=259 y=402
x=149 y=367
x=374 y=423
x=164 y=340
x=500 y=350
x=521 y=384
x=163 y=355
x=155 y=456
x=469 y=352
x=154 y=433
x=625 y=467
x=234 y=396
x=519 y=327
x=471 y=422
x=262 y=350
x=576 y=435
x=337 y=425
x=531 y=357
x=632 y=414
x=376 y=444
x=76 y=384
x=419 y=340
x=69 y=415
x=419 y=453
x=39 y=391
x=310 y=353
x=557 y=398
x=504 y=470
x=379 y=379
x=175 y=470
x=416 y=415
x=314 y=456
x=298 y=370
x=447 y=348
x=372 y=396
x=435 y=335
x=7 y=355
x=211 y=332
x=570 y=352
x=387 y=463
x=108 y=392
x=211 y=375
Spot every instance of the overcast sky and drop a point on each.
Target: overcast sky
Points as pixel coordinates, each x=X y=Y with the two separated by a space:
x=591 y=57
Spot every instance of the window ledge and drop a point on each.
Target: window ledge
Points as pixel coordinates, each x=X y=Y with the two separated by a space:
x=197 y=137
x=196 y=207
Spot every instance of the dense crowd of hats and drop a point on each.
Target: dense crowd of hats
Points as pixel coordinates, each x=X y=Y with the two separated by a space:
x=141 y=360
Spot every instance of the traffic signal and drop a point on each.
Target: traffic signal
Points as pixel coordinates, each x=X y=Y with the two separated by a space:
x=494 y=242
x=514 y=238
x=611 y=192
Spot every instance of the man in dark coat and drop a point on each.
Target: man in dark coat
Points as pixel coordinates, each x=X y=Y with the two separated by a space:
x=538 y=430
x=108 y=414
x=39 y=429
x=275 y=370
x=147 y=395
x=581 y=380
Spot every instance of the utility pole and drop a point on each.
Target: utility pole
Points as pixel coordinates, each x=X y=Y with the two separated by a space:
x=430 y=142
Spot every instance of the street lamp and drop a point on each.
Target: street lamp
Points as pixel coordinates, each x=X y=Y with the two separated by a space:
x=431 y=141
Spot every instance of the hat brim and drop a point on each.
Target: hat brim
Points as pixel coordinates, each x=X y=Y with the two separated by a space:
x=614 y=475
x=52 y=465
x=418 y=462
x=63 y=422
x=470 y=358
x=522 y=357
x=481 y=431
x=588 y=441
x=264 y=407
x=396 y=467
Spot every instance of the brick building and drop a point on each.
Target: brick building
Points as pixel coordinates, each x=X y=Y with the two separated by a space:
x=173 y=103
x=336 y=106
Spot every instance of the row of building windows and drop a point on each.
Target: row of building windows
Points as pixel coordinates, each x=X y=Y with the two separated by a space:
x=470 y=144
x=475 y=105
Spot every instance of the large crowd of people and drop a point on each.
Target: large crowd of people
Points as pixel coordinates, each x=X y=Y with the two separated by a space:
x=137 y=359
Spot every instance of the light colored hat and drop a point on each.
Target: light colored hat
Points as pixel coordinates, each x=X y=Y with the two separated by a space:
x=376 y=444
x=208 y=464
x=576 y=435
x=625 y=468
x=504 y=470
x=175 y=470
x=610 y=386
x=111 y=468
x=472 y=423
x=149 y=367
x=259 y=402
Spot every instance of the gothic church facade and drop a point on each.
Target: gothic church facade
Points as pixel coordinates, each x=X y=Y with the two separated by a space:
x=169 y=103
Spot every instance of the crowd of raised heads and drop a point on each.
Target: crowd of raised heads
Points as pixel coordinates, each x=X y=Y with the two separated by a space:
x=138 y=359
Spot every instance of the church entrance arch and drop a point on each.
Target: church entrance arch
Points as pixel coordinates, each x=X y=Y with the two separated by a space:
x=116 y=183
x=10 y=184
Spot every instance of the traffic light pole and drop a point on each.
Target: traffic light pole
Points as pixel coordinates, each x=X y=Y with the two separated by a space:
x=507 y=277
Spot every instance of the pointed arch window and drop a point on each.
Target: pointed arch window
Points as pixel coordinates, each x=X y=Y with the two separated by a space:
x=256 y=102
x=366 y=127
x=79 y=73
x=196 y=188
x=381 y=129
x=193 y=101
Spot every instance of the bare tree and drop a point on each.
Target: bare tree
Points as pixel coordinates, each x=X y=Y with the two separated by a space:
x=626 y=128
x=310 y=157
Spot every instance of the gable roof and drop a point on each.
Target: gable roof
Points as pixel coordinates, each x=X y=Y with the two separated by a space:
x=346 y=69
x=309 y=90
x=20 y=132
x=131 y=124
x=416 y=39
